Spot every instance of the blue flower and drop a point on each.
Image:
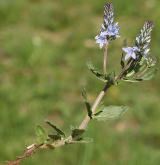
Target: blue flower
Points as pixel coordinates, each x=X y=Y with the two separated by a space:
x=109 y=29
x=130 y=52
x=112 y=32
x=101 y=39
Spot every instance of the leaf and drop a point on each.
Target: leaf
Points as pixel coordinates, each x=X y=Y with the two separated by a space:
x=88 y=106
x=151 y=61
x=122 y=61
x=111 y=78
x=83 y=140
x=77 y=134
x=144 y=75
x=59 y=132
x=55 y=137
x=110 y=112
x=130 y=74
x=86 y=140
x=96 y=114
x=84 y=94
x=103 y=77
x=131 y=80
x=41 y=134
x=149 y=74
x=98 y=74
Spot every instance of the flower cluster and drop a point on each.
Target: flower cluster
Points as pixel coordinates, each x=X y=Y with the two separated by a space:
x=142 y=43
x=109 y=29
x=144 y=39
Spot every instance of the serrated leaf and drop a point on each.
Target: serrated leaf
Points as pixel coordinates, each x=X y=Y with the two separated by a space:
x=41 y=134
x=54 y=137
x=88 y=106
x=77 y=134
x=110 y=113
x=103 y=77
x=97 y=73
x=59 y=132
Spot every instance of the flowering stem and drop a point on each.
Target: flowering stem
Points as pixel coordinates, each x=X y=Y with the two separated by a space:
x=31 y=150
x=105 y=59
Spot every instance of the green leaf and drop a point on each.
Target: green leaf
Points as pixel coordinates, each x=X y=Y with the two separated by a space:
x=97 y=73
x=149 y=74
x=107 y=78
x=59 y=132
x=87 y=140
x=96 y=114
x=77 y=134
x=54 y=137
x=130 y=74
x=111 y=78
x=41 y=134
x=83 y=140
x=122 y=61
x=110 y=113
x=151 y=61
x=84 y=94
x=131 y=80
x=144 y=75
x=88 y=106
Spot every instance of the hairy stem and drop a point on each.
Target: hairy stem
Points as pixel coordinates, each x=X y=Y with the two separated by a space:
x=105 y=59
x=86 y=120
x=34 y=147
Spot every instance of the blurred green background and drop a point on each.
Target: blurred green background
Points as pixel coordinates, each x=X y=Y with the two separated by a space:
x=44 y=46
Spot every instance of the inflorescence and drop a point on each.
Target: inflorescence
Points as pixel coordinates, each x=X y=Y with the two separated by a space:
x=109 y=29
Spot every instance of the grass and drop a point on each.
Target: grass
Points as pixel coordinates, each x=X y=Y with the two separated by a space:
x=44 y=46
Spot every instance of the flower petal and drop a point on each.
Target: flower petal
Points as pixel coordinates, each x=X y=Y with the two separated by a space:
x=126 y=50
x=127 y=57
x=133 y=55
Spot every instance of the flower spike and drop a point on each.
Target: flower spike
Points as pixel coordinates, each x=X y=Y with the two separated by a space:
x=109 y=29
x=144 y=38
x=108 y=16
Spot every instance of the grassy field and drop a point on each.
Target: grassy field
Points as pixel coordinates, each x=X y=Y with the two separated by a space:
x=44 y=46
